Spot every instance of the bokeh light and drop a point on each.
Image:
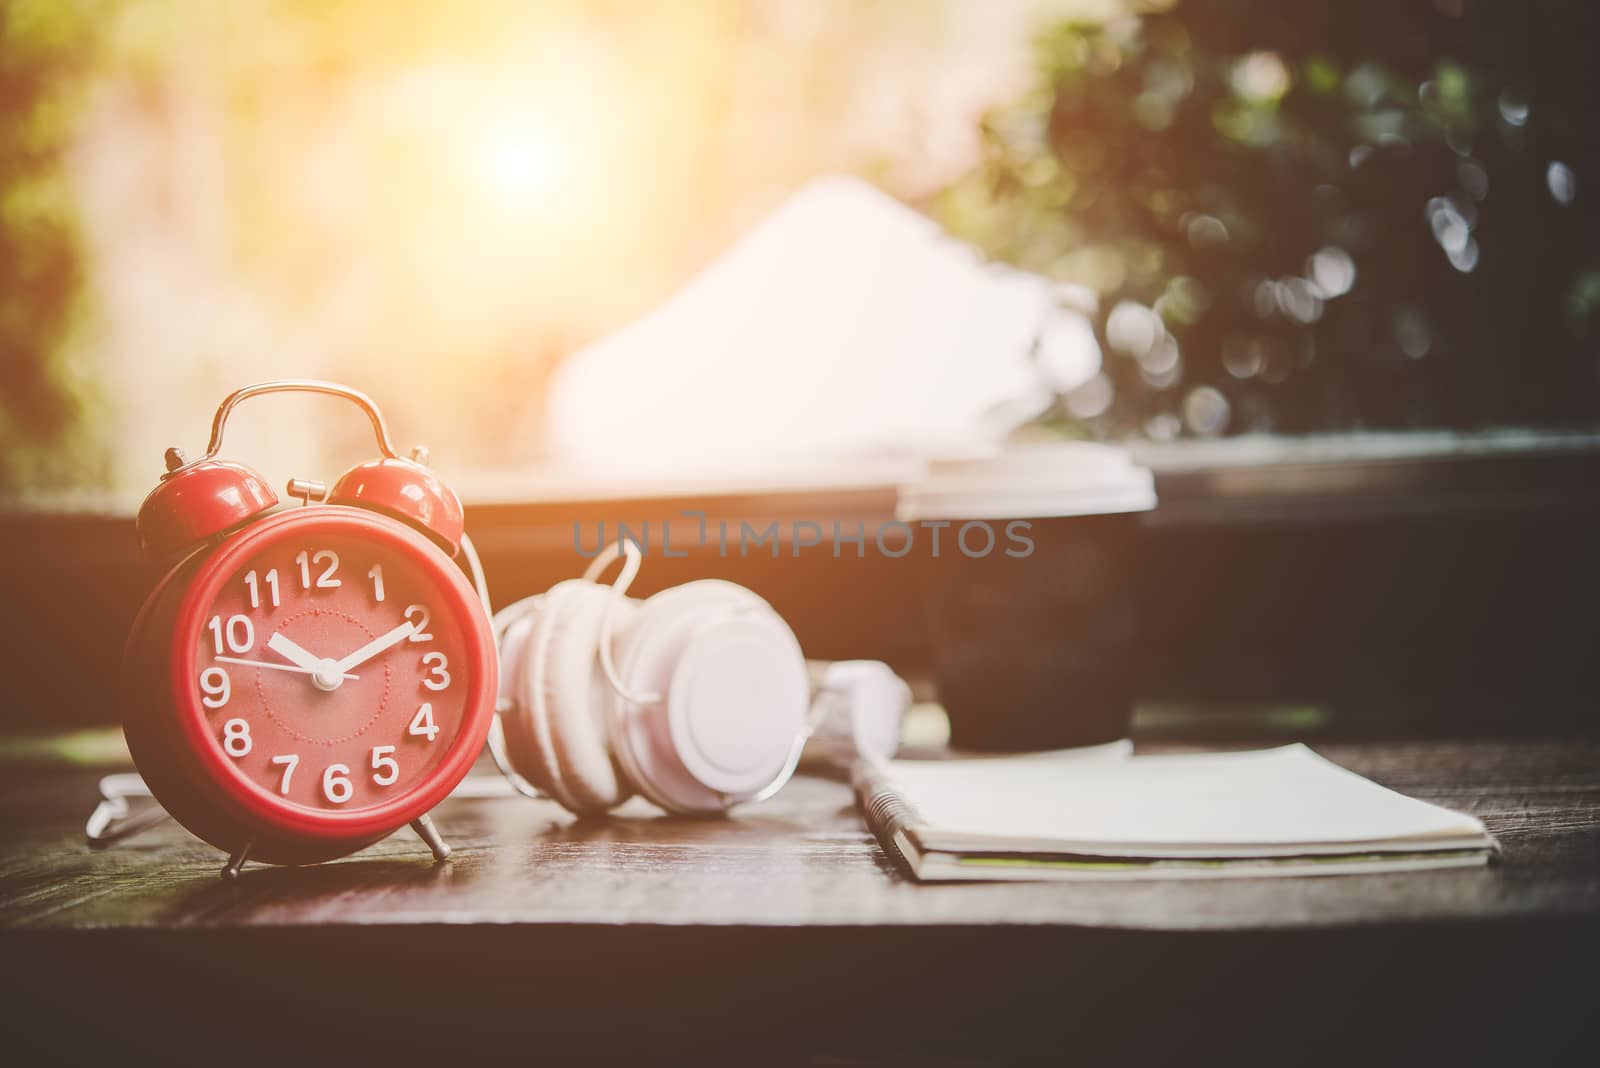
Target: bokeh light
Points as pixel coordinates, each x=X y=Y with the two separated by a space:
x=1365 y=215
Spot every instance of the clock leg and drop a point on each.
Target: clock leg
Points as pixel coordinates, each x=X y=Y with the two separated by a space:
x=429 y=834
x=235 y=862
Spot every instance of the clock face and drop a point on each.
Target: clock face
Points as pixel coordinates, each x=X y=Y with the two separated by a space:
x=331 y=670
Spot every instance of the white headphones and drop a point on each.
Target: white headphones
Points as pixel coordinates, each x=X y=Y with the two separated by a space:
x=698 y=698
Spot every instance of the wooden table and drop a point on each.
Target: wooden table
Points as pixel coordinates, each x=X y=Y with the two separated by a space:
x=784 y=934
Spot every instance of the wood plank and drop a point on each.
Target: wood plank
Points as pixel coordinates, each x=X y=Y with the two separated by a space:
x=784 y=936
x=802 y=859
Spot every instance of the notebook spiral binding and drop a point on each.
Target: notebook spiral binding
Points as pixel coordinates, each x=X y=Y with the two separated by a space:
x=887 y=813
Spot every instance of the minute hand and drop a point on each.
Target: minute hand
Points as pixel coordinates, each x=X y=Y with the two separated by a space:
x=374 y=647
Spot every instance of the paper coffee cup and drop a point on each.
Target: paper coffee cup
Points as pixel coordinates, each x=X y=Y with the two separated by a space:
x=1030 y=596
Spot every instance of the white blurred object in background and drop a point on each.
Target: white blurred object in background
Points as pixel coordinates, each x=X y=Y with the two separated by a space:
x=843 y=323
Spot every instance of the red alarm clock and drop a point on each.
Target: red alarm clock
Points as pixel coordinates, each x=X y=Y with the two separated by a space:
x=304 y=682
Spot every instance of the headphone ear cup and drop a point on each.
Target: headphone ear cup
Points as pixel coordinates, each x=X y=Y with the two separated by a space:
x=660 y=640
x=644 y=752
x=568 y=689
x=553 y=737
x=528 y=747
x=638 y=733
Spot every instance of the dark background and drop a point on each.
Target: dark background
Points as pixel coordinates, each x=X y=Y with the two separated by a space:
x=1453 y=595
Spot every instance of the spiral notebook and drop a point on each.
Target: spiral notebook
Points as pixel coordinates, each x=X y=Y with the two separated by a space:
x=1102 y=813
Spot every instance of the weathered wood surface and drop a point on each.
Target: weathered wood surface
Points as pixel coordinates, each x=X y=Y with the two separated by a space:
x=787 y=925
x=803 y=858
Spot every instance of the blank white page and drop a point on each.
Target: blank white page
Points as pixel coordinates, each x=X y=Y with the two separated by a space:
x=1223 y=804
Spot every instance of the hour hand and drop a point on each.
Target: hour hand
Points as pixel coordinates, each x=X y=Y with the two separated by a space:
x=293 y=653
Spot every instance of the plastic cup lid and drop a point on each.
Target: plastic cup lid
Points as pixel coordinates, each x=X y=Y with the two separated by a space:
x=1030 y=482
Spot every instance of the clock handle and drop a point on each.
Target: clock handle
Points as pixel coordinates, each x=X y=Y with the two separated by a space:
x=197 y=499
x=298 y=385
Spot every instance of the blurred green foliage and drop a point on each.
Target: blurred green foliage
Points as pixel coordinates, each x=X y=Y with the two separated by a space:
x=44 y=48
x=1323 y=215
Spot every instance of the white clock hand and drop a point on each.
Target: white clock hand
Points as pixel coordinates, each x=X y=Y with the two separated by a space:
x=374 y=647
x=324 y=674
x=289 y=650
x=270 y=664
